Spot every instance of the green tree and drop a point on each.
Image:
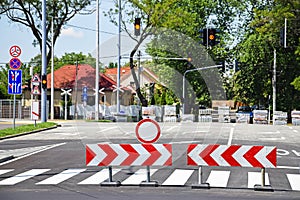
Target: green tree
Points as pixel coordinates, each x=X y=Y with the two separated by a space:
x=253 y=83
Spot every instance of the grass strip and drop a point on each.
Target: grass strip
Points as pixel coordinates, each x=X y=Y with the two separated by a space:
x=25 y=128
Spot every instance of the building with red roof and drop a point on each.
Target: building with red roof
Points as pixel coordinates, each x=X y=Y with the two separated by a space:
x=77 y=78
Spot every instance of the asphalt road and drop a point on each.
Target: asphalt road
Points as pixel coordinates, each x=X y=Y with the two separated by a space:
x=60 y=153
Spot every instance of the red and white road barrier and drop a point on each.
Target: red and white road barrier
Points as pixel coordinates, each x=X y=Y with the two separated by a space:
x=231 y=155
x=128 y=154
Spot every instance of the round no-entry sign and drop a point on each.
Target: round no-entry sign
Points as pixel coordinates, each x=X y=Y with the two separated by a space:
x=147 y=131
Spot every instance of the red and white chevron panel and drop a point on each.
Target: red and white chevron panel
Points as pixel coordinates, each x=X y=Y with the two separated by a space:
x=128 y=154
x=231 y=155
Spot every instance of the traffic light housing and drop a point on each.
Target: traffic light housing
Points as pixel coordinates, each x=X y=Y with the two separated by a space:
x=44 y=81
x=283 y=37
x=211 y=37
x=137 y=26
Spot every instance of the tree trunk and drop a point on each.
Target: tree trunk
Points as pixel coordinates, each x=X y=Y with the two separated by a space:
x=143 y=100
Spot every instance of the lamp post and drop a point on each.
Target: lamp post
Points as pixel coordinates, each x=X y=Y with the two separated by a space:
x=183 y=81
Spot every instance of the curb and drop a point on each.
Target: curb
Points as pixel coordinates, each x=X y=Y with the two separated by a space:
x=31 y=132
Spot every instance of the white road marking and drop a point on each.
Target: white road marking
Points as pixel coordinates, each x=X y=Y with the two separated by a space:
x=272 y=139
x=4 y=171
x=295 y=131
x=99 y=177
x=294 y=180
x=287 y=167
x=138 y=177
x=255 y=178
x=230 y=136
x=23 y=176
x=218 y=178
x=58 y=178
x=107 y=129
x=35 y=152
x=179 y=177
x=169 y=129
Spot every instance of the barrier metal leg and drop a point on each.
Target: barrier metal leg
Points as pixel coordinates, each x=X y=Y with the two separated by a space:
x=110 y=182
x=263 y=177
x=263 y=186
x=200 y=184
x=148 y=181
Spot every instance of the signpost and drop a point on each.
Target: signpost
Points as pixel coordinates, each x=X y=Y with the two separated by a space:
x=66 y=93
x=14 y=77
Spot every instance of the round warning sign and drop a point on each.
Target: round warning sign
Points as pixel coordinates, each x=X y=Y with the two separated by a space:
x=15 y=51
x=147 y=131
x=15 y=63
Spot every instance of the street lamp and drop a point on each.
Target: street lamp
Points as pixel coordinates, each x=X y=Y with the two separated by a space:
x=183 y=81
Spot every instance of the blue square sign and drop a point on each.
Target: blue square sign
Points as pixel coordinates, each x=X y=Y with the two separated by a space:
x=14 y=81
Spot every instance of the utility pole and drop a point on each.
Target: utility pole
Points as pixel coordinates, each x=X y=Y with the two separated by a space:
x=274 y=86
x=97 y=65
x=119 y=61
x=52 y=71
x=76 y=90
x=44 y=63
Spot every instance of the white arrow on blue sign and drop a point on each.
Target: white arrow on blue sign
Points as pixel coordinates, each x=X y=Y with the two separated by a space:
x=14 y=81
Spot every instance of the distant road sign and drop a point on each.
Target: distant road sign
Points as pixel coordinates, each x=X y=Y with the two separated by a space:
x=14 y=81
x=35 y=110
x=15 y=63
x=15 y=51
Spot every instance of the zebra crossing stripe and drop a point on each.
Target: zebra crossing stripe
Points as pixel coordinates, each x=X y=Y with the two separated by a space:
x=254 y=178
x=4 y=171
x=98 y=178
x=218 y=178
x=294 y=180
x=58 y=178
x=23 y=176
x=138 y=177
x=179 y=177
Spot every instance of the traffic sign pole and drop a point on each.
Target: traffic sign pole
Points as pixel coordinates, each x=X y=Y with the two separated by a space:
x=14 y=112
x=14 y=77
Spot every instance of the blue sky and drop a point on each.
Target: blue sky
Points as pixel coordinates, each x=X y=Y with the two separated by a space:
x=72 y=39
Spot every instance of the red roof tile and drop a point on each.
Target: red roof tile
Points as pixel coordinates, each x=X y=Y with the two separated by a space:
x=65 y=76
x=112 y=72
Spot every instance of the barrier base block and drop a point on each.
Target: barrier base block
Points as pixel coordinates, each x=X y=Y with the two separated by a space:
x=266 y=188
x=149 y=184
x=111 y=184
x=201 y=186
